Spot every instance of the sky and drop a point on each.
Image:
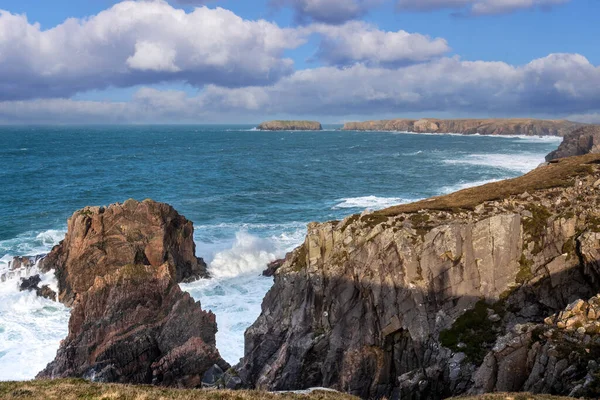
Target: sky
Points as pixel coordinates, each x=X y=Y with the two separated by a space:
x=244 y=61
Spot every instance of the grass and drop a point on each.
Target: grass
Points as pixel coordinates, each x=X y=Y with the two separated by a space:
x=78 y=389
x=557 y=174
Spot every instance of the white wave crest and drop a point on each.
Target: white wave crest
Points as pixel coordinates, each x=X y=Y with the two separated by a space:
x=523 y=162
x=370 y=202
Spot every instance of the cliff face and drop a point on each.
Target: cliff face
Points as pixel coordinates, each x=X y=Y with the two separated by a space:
x=424 y=300
x=581 y=141
x=130 y=322
x=290 y=126
x=531 y=127
x=100 y=240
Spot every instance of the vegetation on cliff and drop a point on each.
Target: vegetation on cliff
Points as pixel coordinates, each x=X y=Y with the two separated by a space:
x=290 y=126
x=515 y=126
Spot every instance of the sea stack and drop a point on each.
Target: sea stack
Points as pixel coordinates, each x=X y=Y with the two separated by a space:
x=290 y=126
x=119 y=269
x=581 y=141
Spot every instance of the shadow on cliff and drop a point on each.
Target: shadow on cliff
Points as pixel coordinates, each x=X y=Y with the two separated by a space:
x=376 y=341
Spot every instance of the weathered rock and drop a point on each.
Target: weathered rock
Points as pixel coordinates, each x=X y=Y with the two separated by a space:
x=582 y=141
x=30 y=283
x=272 y=267
x=530 y=127
x=409 y=302
x=46 y=292
x=290 y=126
x=101 y=240
x=135 y=325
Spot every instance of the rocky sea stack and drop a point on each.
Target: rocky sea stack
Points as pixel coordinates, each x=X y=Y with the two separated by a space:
x=581 y=141
x=290 y=126
x=515 y=126
x=119 y=268
x=477 y=291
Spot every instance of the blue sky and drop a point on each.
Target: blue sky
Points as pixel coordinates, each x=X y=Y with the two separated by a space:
x=333 y=60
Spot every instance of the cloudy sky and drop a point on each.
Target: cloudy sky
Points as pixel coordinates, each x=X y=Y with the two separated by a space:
x=237 y=61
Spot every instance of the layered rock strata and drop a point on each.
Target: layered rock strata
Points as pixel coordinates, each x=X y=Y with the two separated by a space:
x=530 y=127
x=417 y=300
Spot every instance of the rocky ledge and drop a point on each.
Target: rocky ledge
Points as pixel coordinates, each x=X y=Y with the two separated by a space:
x=432 y=299
x=290 y=126
x=530 y=127
x=118 y=268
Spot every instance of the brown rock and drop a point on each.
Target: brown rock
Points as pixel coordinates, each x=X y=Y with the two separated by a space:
x=101 y=240
x=135 y=325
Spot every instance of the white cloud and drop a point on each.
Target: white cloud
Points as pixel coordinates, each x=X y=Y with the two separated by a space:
x=357 y=41
x=558 y=85
x=327 y=11
x=140 y=42
x=477 y=7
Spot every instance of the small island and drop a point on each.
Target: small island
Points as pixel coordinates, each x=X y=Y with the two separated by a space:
x=290 y=126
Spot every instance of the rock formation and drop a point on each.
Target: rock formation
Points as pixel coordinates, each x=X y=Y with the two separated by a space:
x=579 y=142
x=428 y=300
x=20 y=266
x=101 y=240
x=31 y=284
x=131 y=323
x=523 y=126
x=290 y=126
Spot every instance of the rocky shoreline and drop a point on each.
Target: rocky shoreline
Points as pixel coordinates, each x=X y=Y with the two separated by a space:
x=489 y=289
x=290 y=126
x=526 y=127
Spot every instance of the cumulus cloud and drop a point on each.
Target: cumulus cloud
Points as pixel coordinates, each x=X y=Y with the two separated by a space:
x=558 y=85
x=477 y=7
x=140 y=42
x=357 y=41
x=327 y=11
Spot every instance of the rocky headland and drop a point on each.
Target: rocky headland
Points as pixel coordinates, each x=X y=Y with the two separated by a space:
x=529 y=127
x=290 y=126
x=581 y=141
x=119 y=269
x=478 y=291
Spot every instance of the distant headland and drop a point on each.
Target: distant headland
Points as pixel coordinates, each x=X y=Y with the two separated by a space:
x=513 y=126
x=290 y=126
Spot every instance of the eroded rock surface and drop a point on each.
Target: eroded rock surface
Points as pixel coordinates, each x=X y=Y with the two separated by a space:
x=413 y=302
x=101 y=240
x=582 y=141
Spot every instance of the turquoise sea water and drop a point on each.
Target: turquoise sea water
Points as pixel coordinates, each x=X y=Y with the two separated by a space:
x=249 y=193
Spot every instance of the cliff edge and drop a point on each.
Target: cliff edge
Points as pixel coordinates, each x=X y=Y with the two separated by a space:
x=442 y=297
x=516 y=126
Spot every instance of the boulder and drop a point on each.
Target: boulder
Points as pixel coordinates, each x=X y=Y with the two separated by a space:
x=101 y=240
x=30 y=283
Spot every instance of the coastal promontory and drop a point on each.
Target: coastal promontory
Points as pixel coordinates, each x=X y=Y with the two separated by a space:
x=515 y=126
x=290 y=126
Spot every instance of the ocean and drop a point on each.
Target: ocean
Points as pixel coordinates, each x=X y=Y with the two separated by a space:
x=249 y=193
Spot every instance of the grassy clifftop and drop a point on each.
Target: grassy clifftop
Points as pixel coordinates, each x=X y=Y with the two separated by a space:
x=290 y=126
x=71 y=389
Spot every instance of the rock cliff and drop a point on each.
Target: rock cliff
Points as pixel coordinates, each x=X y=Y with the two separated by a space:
x=432 y=299
x=131 y=323
x=290 y=126
x=523 y=126
x=100 y=240
x=581 y=141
